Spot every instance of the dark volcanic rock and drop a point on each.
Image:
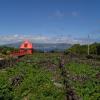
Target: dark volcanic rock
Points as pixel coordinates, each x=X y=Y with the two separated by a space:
x=15 y=81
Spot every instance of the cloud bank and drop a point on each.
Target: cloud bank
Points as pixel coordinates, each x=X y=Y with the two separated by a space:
x=6 y=39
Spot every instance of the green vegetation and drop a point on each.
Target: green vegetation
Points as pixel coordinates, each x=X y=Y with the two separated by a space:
x=28 y=81
x=82 y=49
x=85 y=80
x=34 y=78
x=4 y=50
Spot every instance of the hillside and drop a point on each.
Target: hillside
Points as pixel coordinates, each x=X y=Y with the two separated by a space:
x=44 y=46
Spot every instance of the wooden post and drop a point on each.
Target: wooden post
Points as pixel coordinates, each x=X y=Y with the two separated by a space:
x=88 y=44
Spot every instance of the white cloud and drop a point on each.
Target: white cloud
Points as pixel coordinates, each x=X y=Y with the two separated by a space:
x=5 y=39
x=18 y=38
x=74 y=13
x=59 y=14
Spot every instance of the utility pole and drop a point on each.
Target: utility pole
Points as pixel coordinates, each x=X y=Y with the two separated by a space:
x=88 y=44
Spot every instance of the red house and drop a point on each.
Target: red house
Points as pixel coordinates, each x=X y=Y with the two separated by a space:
x=27 y=47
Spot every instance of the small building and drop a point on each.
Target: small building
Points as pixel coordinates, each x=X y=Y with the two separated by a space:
x=27 y=47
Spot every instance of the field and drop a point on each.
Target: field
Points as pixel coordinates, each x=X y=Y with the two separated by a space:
x=49 y=76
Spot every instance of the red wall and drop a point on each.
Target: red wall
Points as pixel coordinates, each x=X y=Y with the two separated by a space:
x=28 y=51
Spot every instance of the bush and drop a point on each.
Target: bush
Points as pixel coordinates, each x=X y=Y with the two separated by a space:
x=83 y=49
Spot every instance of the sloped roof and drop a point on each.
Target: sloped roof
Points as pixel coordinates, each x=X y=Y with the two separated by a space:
x=26 y=45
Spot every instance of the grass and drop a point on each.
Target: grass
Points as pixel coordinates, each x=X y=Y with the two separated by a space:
x=35 y=85
x=31 y=79
x=85 y=82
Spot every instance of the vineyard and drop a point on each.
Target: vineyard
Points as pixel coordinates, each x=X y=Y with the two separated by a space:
x=50 y=76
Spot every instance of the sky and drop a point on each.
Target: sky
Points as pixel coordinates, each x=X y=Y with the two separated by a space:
x=49 y=21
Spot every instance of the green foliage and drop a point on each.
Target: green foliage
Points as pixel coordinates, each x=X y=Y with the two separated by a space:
x=82 y=49
x=36 y=83
x=6 y=50
x=84 y=80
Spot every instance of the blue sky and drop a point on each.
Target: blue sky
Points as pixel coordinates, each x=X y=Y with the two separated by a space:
x=49 y=20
